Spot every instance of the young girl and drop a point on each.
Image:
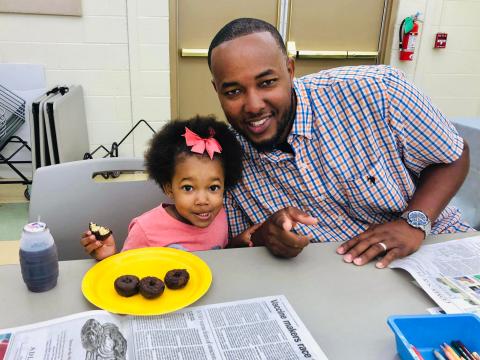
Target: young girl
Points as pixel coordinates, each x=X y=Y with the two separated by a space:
x=193 y=161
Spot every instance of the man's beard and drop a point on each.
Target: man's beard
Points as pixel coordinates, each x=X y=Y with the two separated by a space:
x=284 y=124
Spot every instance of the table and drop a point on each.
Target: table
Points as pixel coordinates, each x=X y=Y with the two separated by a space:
x=344 y=306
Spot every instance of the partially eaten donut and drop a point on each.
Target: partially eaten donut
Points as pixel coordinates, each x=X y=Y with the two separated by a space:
x=100 y=232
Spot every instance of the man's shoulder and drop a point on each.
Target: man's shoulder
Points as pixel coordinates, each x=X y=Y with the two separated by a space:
x=348 y=74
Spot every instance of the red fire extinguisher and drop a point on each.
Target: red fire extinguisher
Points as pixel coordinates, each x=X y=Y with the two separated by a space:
x=407 y=37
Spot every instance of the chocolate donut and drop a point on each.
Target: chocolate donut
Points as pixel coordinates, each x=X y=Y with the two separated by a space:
x=177 y=278
x=126 y=285
x=151 y=287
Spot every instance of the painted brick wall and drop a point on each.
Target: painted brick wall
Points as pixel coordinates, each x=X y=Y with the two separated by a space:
x=118 y=52
x=450 y=76
x=149 y=66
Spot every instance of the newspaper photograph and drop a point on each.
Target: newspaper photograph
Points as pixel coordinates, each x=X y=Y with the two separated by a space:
x=448 y=272
x=260 y=328
x=89 y=335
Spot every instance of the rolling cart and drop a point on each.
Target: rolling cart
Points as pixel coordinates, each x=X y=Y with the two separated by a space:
x=12 y=116
x=113 y=152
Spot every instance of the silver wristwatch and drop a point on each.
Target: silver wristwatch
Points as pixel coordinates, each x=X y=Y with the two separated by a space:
x=418 y=220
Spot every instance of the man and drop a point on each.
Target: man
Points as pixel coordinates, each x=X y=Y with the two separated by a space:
x=354 y=153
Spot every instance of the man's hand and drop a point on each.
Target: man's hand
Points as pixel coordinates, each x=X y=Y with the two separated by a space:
x=436 y=185
x=399 y=238
x=245 y=238
x=276 y=232
x=99 y=250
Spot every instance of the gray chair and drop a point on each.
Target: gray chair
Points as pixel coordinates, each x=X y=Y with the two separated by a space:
x=468 y=197
x=67 y=197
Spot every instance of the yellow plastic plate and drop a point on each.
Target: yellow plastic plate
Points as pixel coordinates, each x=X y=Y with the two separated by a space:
x=97 y=284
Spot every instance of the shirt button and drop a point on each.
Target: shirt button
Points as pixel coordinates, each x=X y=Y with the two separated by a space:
x=340 y=218
x=321 y=197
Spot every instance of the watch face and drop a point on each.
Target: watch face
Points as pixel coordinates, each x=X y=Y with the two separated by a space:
x=417 y=218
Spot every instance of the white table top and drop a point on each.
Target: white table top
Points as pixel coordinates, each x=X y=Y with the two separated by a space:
x=344 y=306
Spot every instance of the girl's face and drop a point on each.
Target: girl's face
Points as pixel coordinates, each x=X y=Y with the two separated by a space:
x=197 y=189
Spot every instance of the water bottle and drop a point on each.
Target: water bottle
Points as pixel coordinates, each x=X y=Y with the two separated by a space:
x=38 y=257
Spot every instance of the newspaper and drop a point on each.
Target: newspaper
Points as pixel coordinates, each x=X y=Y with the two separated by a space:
x=449 y=272
x=260 y=328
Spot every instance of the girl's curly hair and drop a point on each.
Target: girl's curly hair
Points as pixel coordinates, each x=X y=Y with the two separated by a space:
x=168 y=144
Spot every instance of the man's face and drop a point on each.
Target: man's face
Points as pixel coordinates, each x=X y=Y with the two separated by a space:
x=254 y=80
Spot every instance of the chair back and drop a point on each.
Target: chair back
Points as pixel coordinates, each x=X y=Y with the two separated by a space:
x=70 y=195
x=468 y=197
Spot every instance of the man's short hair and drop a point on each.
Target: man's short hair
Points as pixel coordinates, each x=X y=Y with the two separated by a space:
x=241 y=27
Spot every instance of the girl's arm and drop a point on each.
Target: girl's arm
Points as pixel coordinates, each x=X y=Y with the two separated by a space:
x=243 y=239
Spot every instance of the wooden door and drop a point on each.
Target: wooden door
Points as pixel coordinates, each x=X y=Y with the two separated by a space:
x=196 y=23
x=324 y=34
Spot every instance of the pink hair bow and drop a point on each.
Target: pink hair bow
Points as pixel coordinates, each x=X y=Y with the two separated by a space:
x=199 y=145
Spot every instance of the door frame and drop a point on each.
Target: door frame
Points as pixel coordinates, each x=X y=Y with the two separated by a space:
x=174 y=52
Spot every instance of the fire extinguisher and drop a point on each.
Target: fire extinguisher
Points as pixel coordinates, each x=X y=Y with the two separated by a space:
x=407 y=37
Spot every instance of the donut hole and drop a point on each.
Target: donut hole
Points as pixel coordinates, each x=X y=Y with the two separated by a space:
x=151 y=287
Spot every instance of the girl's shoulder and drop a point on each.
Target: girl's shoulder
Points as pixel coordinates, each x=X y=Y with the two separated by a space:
x=151 y=214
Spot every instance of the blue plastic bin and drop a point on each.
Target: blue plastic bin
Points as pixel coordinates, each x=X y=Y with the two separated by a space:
x=427 y=332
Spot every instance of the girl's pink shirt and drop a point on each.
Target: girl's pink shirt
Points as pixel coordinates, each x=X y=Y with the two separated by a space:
x=158 y=228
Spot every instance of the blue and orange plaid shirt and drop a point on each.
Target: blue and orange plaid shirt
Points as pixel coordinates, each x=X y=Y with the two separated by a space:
x=361 y=137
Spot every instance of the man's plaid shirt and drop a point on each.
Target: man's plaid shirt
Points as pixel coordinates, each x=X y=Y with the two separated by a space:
x=361 y=137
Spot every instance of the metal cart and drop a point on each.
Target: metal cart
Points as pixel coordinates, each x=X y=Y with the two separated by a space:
x=12 y=116
x=113 y=152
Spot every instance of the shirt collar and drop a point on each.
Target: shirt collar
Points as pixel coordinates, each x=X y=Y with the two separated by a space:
x=303 y=122
x=302 y=125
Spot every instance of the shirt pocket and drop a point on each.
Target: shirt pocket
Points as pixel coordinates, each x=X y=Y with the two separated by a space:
x=373 y=195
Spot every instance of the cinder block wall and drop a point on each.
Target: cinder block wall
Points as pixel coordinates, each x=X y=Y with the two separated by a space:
x=148 y=41
x=450 y=76
x=118 y=52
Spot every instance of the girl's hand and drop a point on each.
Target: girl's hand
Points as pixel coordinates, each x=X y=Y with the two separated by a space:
x=244 y=239
x=99 y=250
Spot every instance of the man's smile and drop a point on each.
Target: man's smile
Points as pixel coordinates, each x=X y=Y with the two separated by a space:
x=259 y=125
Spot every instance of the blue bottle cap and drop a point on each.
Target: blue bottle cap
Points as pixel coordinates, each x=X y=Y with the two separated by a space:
x=35 y=227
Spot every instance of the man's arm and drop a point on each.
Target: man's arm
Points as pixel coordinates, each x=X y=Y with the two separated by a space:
x=432 y=150
x=275 y=233
x=437 y=185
